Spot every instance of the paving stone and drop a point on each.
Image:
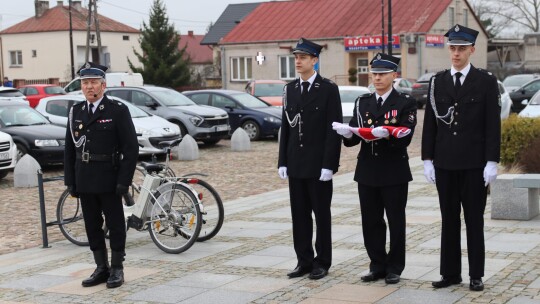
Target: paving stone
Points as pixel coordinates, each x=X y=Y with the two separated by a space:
x=410 y=296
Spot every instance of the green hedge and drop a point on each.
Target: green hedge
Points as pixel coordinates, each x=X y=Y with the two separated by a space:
x=517 y=133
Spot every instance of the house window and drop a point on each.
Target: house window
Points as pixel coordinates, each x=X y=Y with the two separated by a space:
x=286 y=67
x=125 y=37
x=241 y=68
x=451 y=19
x=465 y=17
x=362 y=66
x=34 y=53
x=15 y=58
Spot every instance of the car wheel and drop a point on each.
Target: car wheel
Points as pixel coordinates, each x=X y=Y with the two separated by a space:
x=21 y=151
x=183 y=129
x=252 y=129
x=3 y=173
x=211 y=142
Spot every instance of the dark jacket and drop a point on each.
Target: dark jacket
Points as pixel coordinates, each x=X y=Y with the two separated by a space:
x=474 y=135
x=318 y=146
x=109 y=131
x=383 y=162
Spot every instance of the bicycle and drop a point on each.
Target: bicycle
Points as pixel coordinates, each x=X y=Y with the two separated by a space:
x=169 y=210
x=211 y=204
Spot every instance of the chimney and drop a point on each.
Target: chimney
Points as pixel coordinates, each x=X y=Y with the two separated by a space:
x=60 y=3
x=190 y=33
x=76 y=4
x=41 y=7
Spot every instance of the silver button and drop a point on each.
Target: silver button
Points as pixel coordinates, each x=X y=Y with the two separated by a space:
x=455 y=123
x=301 y=145
x=457 y=113
x=376 y=154
x=455 y=104
x=455 y=133
x=376 y=144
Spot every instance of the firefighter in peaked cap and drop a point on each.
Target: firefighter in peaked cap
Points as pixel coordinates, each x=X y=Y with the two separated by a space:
x=461 y=148
x=309 y=156
x=382 y=172
x=100 y=157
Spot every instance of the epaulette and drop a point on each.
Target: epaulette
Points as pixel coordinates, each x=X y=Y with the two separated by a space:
x=401 y=94
x=486 y=72
x=441 y=72
x=291 y=82
x=328 y=80
x=365 y=95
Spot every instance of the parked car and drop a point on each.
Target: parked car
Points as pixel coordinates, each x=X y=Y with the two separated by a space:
x=203 y=123
x=258 y=118
x=119 y=79
x=506 y=102
x=34 y=92
x=514 y=82
x=348 y=95
x=532 y=107
x=8 y=154
x=8 y=94
x=270 y=91
x=419 y=89
x=401 y=85
x=32 y=133
x=524 y=92
x=151 y=129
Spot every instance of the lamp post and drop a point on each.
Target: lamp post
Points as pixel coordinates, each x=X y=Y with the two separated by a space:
x=71 y=42
x=389 y=27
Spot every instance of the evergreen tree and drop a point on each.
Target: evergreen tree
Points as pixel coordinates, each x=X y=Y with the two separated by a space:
x=163 y=64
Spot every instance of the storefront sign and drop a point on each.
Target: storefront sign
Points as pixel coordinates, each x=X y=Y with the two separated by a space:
x=434 y=40
x=369 y=43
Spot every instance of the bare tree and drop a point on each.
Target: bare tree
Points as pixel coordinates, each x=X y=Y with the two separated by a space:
x=487 y=12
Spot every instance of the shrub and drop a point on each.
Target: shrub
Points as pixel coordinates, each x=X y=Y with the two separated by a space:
x=517 y=134
x=530 y=157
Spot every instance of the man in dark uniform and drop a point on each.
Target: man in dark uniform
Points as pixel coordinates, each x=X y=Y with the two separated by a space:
x=309 y=155
x=100 y=158
x=383 y=173
x=461 y=147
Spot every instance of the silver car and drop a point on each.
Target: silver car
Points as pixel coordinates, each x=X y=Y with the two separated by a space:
x=204 y=123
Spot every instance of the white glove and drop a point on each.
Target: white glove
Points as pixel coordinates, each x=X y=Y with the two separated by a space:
x=380 y=132
x=282 y=171
x=342 y=129
x=326 y=175
x=490 y=172
x=429 y=171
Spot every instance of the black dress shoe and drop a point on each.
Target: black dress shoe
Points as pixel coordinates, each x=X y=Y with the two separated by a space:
x=318 y=273
x=373 y=276
x=476 y=285
x=447 y=281
x=392 y=278
x=298 y=272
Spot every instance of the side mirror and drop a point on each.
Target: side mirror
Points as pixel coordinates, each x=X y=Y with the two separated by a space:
x=524 y=102
x=151 y=104
x=522 y=91
x=229 y=108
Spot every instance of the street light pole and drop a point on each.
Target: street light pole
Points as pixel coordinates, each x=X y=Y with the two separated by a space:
x=389 y=27
x=71 y=42
x=382 y=25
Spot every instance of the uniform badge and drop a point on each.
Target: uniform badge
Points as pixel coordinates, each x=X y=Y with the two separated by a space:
x=369 y=121
x=87 y=65
x=80 y=126
x=76 y=134
x=394 y=120
x=412 y=117
x=378 y=56
x=386 y=121
x=101 y=107
x=456 y=29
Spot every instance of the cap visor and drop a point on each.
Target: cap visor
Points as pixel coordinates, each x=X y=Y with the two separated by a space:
x=381 y=70
x=459 y=42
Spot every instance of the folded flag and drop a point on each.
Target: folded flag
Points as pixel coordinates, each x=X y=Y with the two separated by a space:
x=397 y=132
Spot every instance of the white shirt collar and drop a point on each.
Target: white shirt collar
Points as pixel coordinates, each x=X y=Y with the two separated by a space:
x=384 y=96
x=96 y=104
x=464 y=71
x=310 y=79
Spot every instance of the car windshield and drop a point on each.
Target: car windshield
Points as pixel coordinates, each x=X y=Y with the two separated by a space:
x=517 y=80
x=535 y=100
x=250 y=101
x=11 y=93
x=269 y=89
x=425 y=77
x=54 y=90
x=11 y=116
x=350 y=96
x=134 y=111
x=171 y=98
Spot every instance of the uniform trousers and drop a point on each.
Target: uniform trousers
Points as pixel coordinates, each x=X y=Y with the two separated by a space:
x=94 y=206
x=459 y=188
x=309 y=195
x=374 y=201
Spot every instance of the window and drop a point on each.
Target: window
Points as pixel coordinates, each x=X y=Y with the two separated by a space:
x=363 y=66
x=34 y=53
x=200 y=99
x=451 y=19
x=286 y=67
x=57 y=107
x=140 y=99
x=222 y=102
x=240 y=68
x=15 y=58
x=125 y=37
x=124 y=94
x=465 y=17
x=31 y=91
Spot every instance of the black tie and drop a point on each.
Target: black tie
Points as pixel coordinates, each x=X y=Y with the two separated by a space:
x=90 y=107
x=458 y=81
x=305 y=86
x=379 y=103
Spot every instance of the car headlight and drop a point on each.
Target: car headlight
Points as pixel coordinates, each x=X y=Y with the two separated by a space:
x=272 y=119
x=46 y=143
x=143 y=132
x=196 y=120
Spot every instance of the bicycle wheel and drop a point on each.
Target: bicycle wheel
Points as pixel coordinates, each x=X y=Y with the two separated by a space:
x=175 y=218
x=212 y=210
x=70 y=219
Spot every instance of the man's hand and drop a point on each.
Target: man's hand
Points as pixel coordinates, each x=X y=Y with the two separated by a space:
x=380 y=132
x=429 y=171
x=490 y=172
x=121 y=189
x=72 y=191
x=342 y=129
x=326 y=175
x=282 y=171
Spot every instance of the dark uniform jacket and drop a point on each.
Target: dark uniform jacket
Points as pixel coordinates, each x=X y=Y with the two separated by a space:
x=474 y=136
x=383 y=162
x=319 y=146
x=109 y=131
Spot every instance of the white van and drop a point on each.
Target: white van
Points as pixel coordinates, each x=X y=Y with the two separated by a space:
x=8 y=154
x=113 y=80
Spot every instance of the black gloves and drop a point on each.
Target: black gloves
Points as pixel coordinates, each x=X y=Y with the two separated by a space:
x=72 y=191
x=121 y=189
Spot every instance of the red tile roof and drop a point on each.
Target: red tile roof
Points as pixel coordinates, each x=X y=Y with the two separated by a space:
x=197 y=52
x=289 y=20
x=57 y=19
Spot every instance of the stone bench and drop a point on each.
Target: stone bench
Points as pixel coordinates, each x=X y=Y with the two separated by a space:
x=515 y=196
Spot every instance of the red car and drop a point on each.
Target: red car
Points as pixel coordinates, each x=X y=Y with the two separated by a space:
x=34 y=92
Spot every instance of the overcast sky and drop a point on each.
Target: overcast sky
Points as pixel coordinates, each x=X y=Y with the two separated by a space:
x=186 y=15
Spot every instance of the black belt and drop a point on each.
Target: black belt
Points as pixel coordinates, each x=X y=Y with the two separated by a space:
x=87 y=157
